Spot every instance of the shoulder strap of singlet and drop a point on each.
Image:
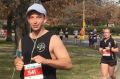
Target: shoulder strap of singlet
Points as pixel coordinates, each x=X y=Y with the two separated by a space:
x=49 y=35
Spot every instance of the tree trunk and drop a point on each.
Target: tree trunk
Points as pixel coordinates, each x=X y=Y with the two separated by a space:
x=9 y=27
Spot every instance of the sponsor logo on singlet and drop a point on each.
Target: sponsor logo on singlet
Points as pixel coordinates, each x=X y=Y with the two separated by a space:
x=41 y=47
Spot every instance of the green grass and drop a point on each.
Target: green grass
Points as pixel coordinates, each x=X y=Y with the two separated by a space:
x=85 y=63
x=6 y=60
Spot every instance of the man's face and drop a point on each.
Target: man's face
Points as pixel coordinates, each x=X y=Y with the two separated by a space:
x=106 y=33
x=36 y=21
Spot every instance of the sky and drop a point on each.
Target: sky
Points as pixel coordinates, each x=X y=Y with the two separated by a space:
x=115 y=0
x=111 y=0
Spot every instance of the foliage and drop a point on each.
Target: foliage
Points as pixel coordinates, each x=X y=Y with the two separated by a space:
x=57 y=28
x=1 y=24
x=71 y=28
x=114 y=30
x=60 y=12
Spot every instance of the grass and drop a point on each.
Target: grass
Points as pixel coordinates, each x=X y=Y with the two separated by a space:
x=6 y=60
x=85 y=63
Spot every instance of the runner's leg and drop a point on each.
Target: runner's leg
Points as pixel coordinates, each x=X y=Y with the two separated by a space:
x=111 y=70
x=104 y=71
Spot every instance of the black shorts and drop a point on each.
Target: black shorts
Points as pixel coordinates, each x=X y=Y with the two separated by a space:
x=111 y=62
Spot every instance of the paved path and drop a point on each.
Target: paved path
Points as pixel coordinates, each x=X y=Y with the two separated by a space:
x=118 y=71
x=118 y=59
x=118 y=67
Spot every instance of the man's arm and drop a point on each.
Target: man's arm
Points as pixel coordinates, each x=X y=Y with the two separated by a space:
x=18 y=60
x=62 y=59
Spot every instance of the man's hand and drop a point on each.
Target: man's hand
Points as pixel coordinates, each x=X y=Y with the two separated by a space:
x=39 y=59
x=18 y=64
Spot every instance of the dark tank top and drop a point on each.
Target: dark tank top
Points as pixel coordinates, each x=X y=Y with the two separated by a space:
x=42 y=49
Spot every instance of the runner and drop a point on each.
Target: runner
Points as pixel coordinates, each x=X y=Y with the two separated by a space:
x=66 y=33
x=75 y=35
x=108 y=48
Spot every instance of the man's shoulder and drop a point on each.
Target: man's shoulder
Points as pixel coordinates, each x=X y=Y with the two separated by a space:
x=55 y=41
x=55 y=38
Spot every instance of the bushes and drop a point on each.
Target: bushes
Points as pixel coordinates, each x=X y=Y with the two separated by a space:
x=99 y=29
x=114 y=30
x=57 y=28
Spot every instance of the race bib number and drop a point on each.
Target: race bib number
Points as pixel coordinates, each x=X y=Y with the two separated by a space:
x=33 y=71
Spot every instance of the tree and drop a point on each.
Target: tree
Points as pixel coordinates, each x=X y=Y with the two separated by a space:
x=9 y=15
x=16 y=14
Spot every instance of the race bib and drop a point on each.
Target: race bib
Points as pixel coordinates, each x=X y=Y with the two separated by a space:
x=106 y=53
x=33 y=71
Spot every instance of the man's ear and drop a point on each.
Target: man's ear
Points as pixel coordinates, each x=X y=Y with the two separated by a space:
x=45 y=20
x=27 y=20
